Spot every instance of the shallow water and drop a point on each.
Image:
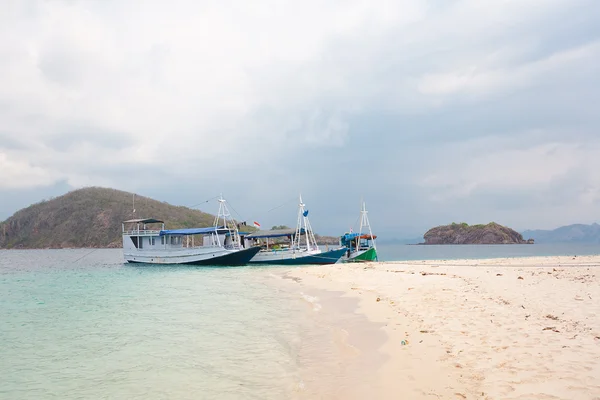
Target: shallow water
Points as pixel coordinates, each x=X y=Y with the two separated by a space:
x=93 y=327
x=80 y=324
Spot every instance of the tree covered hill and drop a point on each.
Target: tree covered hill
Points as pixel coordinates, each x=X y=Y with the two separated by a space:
x=89 y=217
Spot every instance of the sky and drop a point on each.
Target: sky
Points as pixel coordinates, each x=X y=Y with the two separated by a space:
x=432 y=111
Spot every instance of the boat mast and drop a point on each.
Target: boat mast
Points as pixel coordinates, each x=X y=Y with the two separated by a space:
x=364 y=222
x=228 y=223
x=311 y=242
x=298 y=226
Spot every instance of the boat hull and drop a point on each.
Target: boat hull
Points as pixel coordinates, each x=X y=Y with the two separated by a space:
x=363 y=256
x=295 y=258
x=216 y=257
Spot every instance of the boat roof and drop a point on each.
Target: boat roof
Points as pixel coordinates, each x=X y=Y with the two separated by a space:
x=273 y=233
x=143 y=221
x=193 y=231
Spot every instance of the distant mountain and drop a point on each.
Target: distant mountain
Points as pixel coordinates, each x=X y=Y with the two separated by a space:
x=576 y=233
x=463 y=233
x=89 y=217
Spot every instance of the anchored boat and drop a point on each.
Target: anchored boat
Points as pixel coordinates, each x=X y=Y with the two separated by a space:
x=216 y=245
x=360 y=246
x=299 y=247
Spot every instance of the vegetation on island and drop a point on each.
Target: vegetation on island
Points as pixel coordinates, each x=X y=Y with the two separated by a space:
x=463 y=233
x=90 y=217
x=279 y=227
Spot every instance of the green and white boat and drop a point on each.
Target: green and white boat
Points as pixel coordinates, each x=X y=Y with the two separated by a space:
x=361 y=245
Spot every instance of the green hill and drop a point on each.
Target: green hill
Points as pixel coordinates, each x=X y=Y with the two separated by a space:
x=463 y=233
x=89 y=217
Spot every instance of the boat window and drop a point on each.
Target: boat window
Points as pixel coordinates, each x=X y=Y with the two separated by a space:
x=162 y=240
x=152 y=241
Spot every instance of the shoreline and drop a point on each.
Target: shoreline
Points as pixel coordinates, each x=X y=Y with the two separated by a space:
x=497 y=328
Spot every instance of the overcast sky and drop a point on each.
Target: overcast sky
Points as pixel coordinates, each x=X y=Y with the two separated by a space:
x=432 y=111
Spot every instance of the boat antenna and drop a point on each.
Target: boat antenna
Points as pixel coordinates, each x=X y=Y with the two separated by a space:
x=133 y=203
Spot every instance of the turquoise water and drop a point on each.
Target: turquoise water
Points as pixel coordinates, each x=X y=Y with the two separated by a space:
x=399 y=252
x=92 y=327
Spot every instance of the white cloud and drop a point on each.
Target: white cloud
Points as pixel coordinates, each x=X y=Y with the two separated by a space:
x=514 y=165
x=180 y=81
x=18 y=174
x=482 y=80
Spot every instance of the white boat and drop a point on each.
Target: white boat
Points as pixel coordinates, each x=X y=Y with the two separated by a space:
x=216 y=245
x=301 y=249
x=361 y=245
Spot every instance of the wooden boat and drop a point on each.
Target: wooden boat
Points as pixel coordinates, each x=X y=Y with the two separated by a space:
x=361 y=245
x=217 y=245
x=300 y=247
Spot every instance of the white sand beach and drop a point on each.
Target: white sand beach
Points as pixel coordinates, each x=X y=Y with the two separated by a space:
x=517 y=328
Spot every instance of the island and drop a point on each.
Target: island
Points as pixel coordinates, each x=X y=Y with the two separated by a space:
x=463 y=233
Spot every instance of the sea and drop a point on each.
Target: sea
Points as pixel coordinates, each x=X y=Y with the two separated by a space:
x=402 y=252
x=81 y=324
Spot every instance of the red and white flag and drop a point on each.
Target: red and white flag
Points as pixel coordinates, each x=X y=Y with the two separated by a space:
x=256 y=225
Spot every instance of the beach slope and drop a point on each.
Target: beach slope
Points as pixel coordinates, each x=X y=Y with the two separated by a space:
x=522 y=328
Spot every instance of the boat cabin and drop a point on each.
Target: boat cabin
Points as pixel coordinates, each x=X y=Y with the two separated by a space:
x=139 y=234
x=357 y=241
x=278 y=239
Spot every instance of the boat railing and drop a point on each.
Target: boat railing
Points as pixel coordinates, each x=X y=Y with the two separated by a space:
x=141 y=232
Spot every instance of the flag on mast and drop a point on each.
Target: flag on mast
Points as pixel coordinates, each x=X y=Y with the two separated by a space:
x=256 y=225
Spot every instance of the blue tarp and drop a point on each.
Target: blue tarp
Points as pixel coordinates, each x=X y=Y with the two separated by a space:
x=349 y=236
x=346 y=238
x=191 y=231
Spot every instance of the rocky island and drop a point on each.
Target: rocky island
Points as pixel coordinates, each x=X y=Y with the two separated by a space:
x=463 y=233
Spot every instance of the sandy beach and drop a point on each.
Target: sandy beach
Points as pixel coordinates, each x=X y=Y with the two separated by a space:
x=516 y=328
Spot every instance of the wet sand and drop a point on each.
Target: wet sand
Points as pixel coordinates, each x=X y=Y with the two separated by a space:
x=517 y=328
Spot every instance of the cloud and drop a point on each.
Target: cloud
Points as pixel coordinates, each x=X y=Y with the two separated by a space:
x=18 y=174
x=482 y=81
x=411 y=103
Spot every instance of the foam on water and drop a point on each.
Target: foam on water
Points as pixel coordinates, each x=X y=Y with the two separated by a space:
x=312 y=300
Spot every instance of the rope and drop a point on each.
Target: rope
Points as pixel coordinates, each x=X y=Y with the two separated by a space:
x=204 y=202
x=238 y=214
x=85 y=255
x=284 y=204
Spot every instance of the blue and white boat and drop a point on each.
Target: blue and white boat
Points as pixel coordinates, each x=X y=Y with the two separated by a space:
x=216 y=245
x=301 y=248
